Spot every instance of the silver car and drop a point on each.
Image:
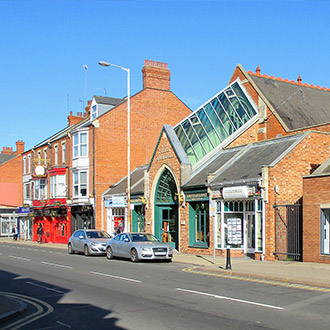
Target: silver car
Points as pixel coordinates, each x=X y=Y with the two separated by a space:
x=88 y=241
x=138 y=246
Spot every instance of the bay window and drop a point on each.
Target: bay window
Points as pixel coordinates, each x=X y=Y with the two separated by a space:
x=57 y=186
x=80 y=144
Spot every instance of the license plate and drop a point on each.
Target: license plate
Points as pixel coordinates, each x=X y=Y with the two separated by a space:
x=160 y=253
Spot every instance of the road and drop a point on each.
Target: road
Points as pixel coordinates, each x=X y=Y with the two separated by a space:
x=73 y=291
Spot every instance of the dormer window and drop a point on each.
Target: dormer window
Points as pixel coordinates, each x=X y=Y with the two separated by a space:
x=94 y=112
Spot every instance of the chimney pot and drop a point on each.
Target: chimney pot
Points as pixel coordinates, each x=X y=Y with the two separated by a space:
x=258 y=70
x=299 y=80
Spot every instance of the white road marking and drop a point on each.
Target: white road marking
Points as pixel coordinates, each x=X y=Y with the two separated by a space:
x=229 y=298
x=65 y=325
x=55 y=265
x=117 y=277
x=45 y=287
x=19 y=258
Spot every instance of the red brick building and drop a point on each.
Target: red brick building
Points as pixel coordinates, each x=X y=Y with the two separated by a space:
x=231 y=173
x=65 y=175
x=10 y=186
x=316 y=229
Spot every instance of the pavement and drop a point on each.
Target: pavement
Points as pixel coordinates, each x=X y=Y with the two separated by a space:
x=304 y=275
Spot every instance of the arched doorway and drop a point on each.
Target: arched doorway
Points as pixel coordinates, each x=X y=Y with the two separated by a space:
x=166 y=209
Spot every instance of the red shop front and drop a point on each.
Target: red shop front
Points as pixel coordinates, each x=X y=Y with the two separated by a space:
x=55 y=220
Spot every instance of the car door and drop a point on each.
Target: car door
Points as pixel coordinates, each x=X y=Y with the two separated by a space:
x=114 y=244
x=125 y=246
x=74 y=240
x=81 y=241
x=121 y=245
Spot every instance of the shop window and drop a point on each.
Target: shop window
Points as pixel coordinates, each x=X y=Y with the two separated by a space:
x=325 y=231
x=249 y=206
x=80 y=184
x=80 y=144
x=233 y=206
x=199 y=230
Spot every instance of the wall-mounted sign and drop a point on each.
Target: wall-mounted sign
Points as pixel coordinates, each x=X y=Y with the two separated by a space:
x=196 y=196
x=236 y=192
x=118 y=201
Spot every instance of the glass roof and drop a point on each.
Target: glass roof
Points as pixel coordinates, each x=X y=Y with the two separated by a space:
x=210 y=125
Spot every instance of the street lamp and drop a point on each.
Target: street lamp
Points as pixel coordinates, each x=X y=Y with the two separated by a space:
x=105 y=64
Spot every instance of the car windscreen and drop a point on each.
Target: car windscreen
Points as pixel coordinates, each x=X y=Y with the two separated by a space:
x=143 y=238
x=97 y=234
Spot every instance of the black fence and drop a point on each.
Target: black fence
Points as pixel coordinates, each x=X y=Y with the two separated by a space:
x=288 y=232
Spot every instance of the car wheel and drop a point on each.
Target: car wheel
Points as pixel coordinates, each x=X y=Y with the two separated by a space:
x=70 y=249
x=109 y=253
x=86 y=250
x=134 y=255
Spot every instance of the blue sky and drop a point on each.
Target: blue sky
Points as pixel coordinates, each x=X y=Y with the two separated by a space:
x=45 y=43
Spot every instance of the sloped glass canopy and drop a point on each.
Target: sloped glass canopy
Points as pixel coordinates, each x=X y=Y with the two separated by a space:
x=214 y=122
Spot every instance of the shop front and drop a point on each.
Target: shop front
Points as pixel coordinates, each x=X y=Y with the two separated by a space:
x=54 y=219
x=25 y=227
x=239 y=221
x=115 y=207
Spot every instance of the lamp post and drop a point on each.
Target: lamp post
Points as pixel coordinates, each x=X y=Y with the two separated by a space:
x=105 y=64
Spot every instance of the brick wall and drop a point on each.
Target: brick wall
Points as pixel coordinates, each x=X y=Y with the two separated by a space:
x=11 y=182
x=316 y=192
x=287 y=175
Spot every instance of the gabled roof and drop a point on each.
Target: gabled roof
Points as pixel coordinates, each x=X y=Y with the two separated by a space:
x=323 y=170
x=299 y=106
x=243 y=164
x=137 y=186
x=175 y=143
x=6 y=157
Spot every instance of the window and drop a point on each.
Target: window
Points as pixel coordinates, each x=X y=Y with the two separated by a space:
x=40 y=189
x=80 y=144
x=94 y=112
x=24 y=165
x=211 y=124
x=80 y=184
x=57 y=186
x=27 y=191
x=63 y=152
x=325 y=231
x=45 y=157
x=199 y=230
x=56 y=154
x=29 y=163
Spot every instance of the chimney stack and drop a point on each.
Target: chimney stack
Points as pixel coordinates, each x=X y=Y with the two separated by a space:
x=72 y=120
x=19 y=147
x=156 y=75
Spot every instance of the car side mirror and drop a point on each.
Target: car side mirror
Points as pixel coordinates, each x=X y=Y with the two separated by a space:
x=126 y=240
x=81 y=237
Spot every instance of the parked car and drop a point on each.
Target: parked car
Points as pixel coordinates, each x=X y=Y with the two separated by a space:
x=88 y=241
x=138 y=246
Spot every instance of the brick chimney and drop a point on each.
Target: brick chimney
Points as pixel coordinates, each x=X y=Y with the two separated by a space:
x=19 y=147
x=72 y=120
x=156 y=75
x=7 y=150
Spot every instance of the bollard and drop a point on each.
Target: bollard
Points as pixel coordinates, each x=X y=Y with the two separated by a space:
x=228 y=262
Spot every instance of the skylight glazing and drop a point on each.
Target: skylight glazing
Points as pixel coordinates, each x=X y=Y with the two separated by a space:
x=215 y=121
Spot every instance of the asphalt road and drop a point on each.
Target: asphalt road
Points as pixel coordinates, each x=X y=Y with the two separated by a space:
x=73 y=291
